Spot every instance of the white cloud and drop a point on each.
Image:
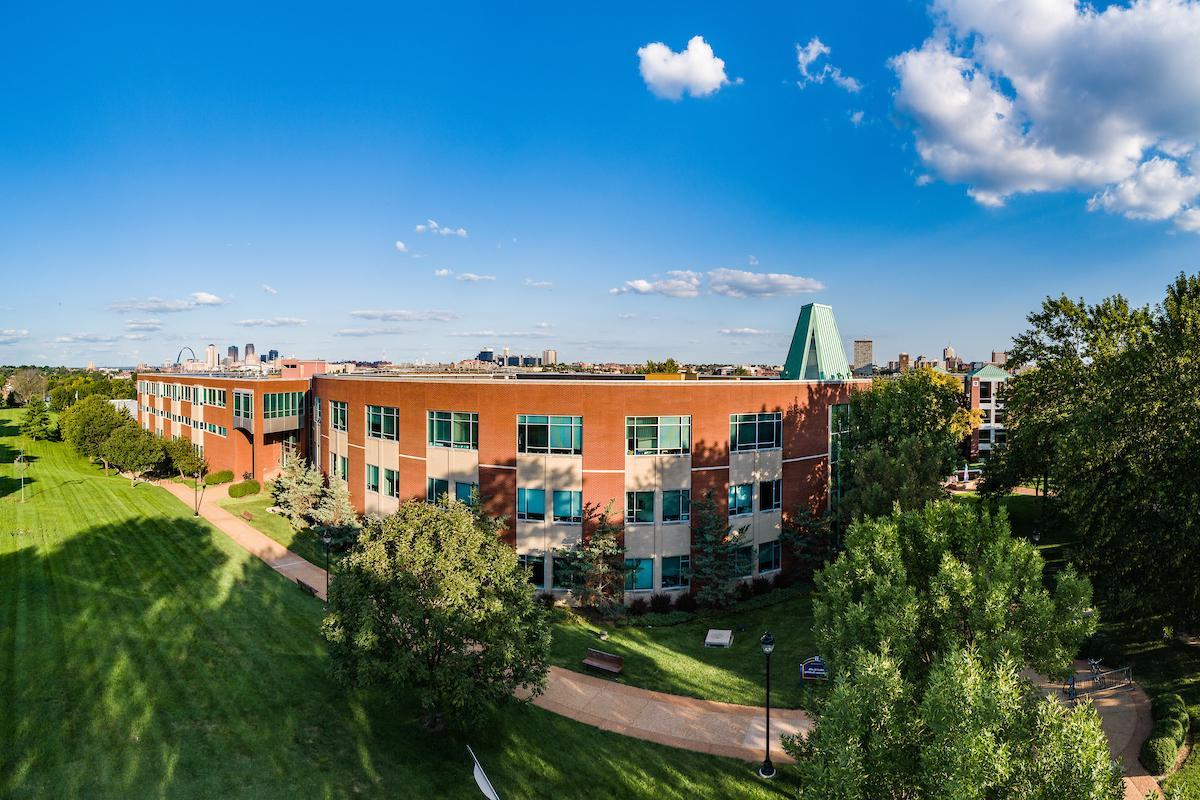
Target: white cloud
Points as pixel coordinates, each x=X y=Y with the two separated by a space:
x=401 y=315
x=677 y=283
x=84 y=338
x=471 y=277
x=1044 y=96
x=401 y=246
x=361 y=332
x=13 y=335
x=743 y=332
x=1156 y=191
x=137 y=337
x=740 y=283
x=807 y=57
x=269 y=289
x=441 y=273
x=273 y=322
x=695 y=70
x=144 y=324
x=542 y=325
x=530 y=282
x=856 y=118
x=207 y=299
x=489 y=334
x=431 y=226
x=156 y=304
x=752 y=261
x=1188 y=220
x=626 y=316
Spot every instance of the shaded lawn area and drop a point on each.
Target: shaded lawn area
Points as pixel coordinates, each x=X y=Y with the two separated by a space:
x=304 y=542
x=1028 y=514
x=674 y=659
x=143 y=654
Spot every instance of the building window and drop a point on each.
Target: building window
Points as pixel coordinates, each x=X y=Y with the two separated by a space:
x=839 y=429
x=243 y=404
x=568 y=506
x=741 y=499
x=985 y=435
x=677 y=505
x=283 y=404
x=985 y=390
x=458 y=429
x=436 y=489
x=562 y=573
x=531 y=504
x=999 y=416
x=539 y=433
x=465 y=492
x=391 y=483
x=337 y=415
x=763 y=431
x=372 y=478
x=770 y=557
x=214 y=397
x=985 y=416
x=1001 y=436
x=639 y=506
x=743 y=561
x=537 y=567
x=381 y=422
x=639 y=574
x=658 y=435
x=343 y=468
x=770 y=495
x=676 y=572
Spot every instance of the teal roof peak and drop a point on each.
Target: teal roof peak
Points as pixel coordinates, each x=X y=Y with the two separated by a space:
x=816 y=353
x=990 y=372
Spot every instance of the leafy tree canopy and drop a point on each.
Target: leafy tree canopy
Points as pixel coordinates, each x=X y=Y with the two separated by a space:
x=87 y=424
x=432 y=601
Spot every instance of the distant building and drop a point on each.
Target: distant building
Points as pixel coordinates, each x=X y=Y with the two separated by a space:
x=549 y=358
x=984 y=388
x=486 y=354
x=530 y=361
x=272 y=356
x=232 y=354
x=504 y=359
x=211 y=360
x=864 y=353
x=902 y=364
x=999 y=358
x=511 y=361
x=250 y=356
x=950 y=359
x=300 y=368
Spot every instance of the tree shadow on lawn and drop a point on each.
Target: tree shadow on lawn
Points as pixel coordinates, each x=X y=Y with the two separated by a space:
x=150 y=657
x=9 y=485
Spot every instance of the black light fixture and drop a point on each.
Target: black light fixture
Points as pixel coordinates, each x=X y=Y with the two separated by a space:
x=767 y=770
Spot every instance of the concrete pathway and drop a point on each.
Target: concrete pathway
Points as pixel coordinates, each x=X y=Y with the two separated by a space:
x=277 y=557
x=705 y=726
x=1126 y=718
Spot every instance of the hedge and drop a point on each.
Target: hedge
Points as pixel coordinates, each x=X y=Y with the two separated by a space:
x=1158 y=754
x=1171 y=724
x=244 y=488
x=214 y=478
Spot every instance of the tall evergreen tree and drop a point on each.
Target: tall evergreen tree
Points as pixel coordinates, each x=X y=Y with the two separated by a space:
x=298 y=490
x=35 y=422
x=715 y=546
x=335 y=514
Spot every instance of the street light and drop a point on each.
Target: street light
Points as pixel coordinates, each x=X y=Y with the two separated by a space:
x=327 y=539
x=767 y=770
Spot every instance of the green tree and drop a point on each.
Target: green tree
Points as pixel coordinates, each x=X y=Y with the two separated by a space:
x=595 y=567
x=35 y=423
x=432 y=602
x=185 y=460
x=714 y=546
x=87 y=424
x=902 y=442
x=28 y=383
x=298 y=490
x=134 y=450
x=335 y=516
x=652 y=367
x=1103 y=414
x=944 y=578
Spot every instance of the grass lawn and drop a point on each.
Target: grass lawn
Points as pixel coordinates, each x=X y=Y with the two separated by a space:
x=303 y=542
x=674 y=659
x=1026 y=515
x=143 y=654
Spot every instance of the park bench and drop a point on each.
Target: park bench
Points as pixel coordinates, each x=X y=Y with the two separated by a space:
x=598 y=659
x=304 y=587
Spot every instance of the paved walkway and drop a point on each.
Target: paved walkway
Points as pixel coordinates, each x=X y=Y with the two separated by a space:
x=1126 y=719
x=278 y=557
x=705 y=726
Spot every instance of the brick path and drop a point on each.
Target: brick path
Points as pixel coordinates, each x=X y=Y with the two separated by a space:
x=705 y=726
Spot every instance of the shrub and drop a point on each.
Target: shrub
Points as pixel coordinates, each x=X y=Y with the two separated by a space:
x=660 y=603
x=1169 y=728
x=244 y=489
x=638 y=607
x=1166 y=705
x=744 y=590
x=1158 y=754
x=783 y=580
x=761 y=585
x=1193 y=713
x=215 y=478
x=686 y=602
x=547 y=599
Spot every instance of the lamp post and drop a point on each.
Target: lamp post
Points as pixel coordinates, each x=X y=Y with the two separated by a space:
x=327 y=539
x=767 y=770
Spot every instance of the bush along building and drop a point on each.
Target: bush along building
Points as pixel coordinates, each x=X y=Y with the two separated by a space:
x=540 y=448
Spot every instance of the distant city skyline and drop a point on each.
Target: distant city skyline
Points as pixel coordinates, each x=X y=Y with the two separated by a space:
x=618 y=183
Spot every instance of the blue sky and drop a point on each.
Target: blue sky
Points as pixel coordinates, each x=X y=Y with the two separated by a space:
x=159 y=167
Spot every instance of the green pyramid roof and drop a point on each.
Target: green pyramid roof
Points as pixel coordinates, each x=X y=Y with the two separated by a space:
x=816 y=353
x=990 y=372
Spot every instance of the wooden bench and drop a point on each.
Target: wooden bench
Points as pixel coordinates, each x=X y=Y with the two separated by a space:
x=598 y=659
x=304 y=587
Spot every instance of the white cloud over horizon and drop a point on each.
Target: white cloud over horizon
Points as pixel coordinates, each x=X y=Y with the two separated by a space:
x=404 y=315
x=471 y=277
x=431 y=226
x=158 y=304
x=363 y=332
x=727 y=282
x=1049 y=95
x=807 y=57
x=144 y=324
x=269 y=289
x=695 y=70
x=13 y=335
x=743 y=332
x=272 y=322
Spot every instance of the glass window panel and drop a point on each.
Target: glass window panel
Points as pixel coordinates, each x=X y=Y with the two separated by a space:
x=372 y=478
x=464 y=492
x=769 y=556
x=435 y=488
x=640 y=574
x=676 y=572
